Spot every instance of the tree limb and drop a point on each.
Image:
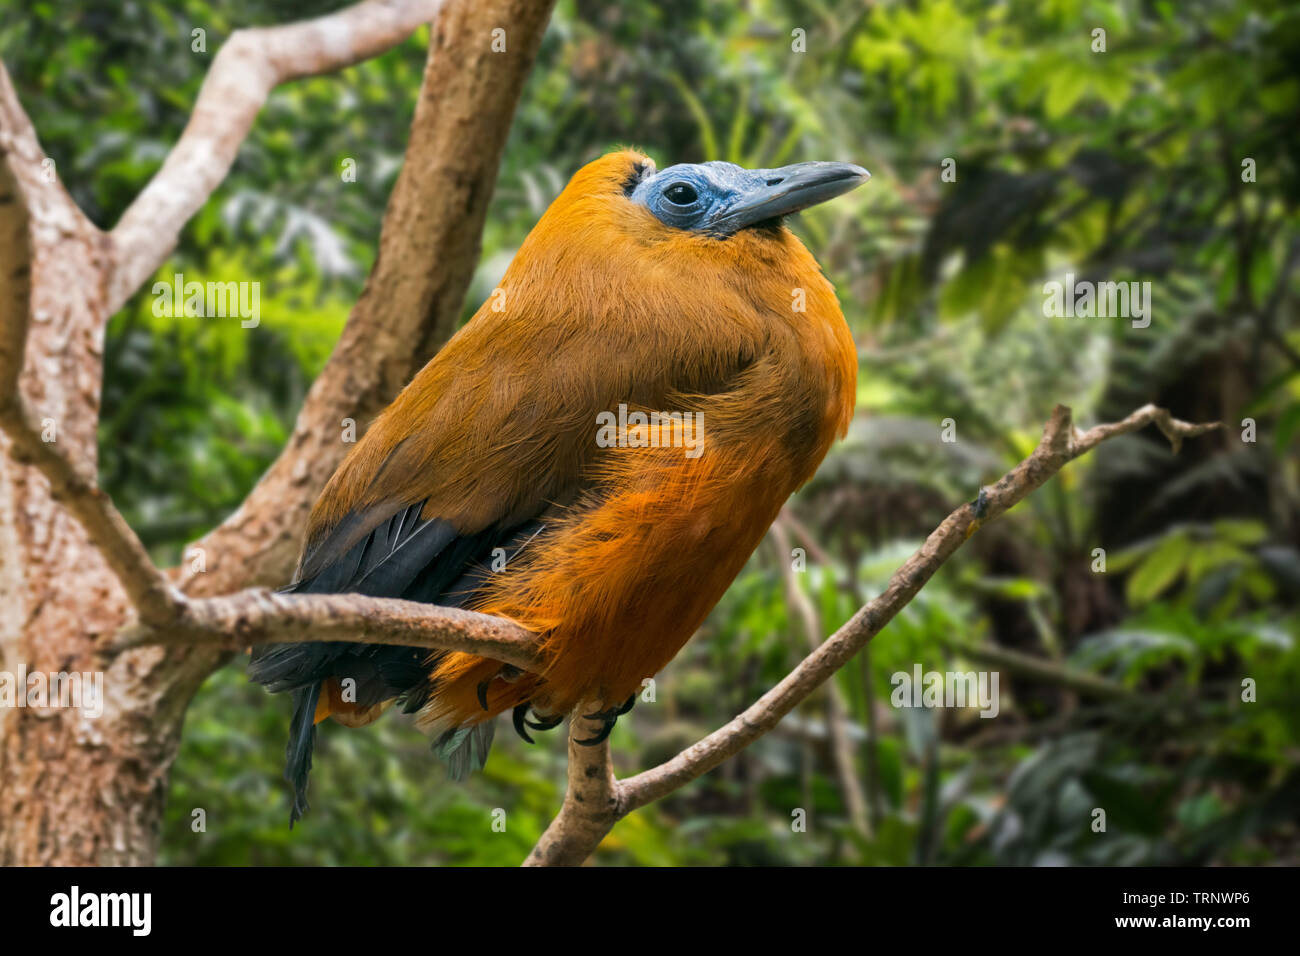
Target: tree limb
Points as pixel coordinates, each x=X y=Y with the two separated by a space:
x=428 y=247
x=837 y=711
x=260 y=616
x=38 y=184
x=590 y=801
x=63 y=597
x=144 y=583
x=250 y=64
x=576 y=832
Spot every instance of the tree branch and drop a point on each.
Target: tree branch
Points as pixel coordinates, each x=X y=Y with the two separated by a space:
x=374 y=356
x=38 y=185
x=572 y=837
x=144 y=583
x=260 y=616
x=250 y=64
x=837 y=711
x=428 y=247
x=590 y=801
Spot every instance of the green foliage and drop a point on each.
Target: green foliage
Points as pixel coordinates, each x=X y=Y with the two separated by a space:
x=1122 y=165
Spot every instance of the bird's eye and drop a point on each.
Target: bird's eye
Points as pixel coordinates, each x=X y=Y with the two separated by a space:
x=681 y=194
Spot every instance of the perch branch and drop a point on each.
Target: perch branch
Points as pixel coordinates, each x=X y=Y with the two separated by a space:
x=589 y=802
x=575 y=833
x=260 y=616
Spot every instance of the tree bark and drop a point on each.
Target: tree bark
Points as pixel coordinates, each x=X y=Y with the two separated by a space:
x=72 y=790
x=79 y=790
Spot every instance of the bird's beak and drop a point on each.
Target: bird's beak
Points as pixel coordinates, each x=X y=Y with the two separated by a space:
x=779 y=192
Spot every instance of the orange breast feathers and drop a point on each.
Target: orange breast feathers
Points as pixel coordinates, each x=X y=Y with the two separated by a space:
x=530 y=412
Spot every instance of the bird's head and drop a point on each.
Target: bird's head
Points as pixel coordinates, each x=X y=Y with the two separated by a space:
x=622 y=212
x=720 y=199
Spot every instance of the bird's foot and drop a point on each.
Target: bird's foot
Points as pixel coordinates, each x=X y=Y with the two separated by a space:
x=520 y=718
x=608 y=719
x=508 y=673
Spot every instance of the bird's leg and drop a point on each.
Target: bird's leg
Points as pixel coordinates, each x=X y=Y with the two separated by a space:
x=608 y=718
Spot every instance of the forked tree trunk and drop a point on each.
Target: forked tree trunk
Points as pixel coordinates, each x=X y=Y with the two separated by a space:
x=80 y=790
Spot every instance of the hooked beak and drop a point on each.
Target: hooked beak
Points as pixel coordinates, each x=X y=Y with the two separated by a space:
x=779 y=192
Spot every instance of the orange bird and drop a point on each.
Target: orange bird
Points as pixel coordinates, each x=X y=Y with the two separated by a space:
x=594 y=455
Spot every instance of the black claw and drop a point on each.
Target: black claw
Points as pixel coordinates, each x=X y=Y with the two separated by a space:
x=601 y=737
x=613 y=713
x=482 y=693
x=545 y=723
x=521 y=721
x=608 y=717
x=518 y=715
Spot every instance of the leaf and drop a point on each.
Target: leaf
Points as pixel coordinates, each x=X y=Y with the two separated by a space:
x=1242 y=531
x=1113 y=86
x=1067 y=87
x=1161 y=568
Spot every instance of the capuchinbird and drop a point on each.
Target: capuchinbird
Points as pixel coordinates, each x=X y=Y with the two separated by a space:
x=593 y=456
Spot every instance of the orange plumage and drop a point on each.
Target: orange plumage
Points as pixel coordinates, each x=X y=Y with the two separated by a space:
x=626 y=548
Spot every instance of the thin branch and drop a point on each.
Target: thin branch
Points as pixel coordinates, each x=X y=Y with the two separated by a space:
x=1039 y=669
x=1060 y=444
x=1170 y=427
x=806 y=539
x=250 y=64
x=837 y=716
x=33 y=171
x=261 y=616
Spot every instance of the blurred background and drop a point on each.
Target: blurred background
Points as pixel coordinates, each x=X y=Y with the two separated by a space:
x=1120 y=688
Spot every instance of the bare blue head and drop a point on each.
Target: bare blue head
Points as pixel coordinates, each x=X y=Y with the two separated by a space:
x=722 y=198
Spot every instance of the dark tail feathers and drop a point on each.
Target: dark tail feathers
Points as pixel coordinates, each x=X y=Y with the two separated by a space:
x=302 y=741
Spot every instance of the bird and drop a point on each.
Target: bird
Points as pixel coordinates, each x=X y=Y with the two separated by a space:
x=594 y=455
